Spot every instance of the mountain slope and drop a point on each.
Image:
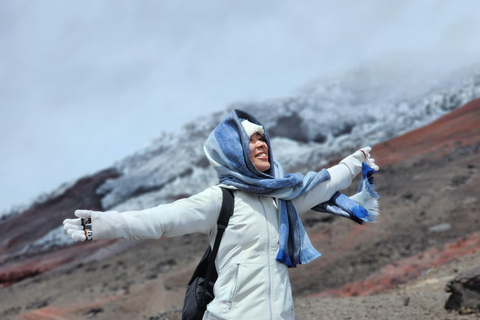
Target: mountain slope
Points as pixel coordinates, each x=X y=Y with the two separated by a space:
x=429 y=184
x=429 y=204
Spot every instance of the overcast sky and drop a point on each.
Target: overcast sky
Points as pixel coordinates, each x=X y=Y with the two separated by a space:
x=85 y=83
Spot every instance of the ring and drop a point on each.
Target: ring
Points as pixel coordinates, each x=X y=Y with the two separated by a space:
x=364 y=154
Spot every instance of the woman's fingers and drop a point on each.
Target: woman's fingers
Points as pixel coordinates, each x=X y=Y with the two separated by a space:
x=84 y=214
x=371 y=163
x=77 y=221
x=367 y=149
x=77 y=236
x=68 y=226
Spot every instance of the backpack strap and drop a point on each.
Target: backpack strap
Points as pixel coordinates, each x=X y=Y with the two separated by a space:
x=222 y=223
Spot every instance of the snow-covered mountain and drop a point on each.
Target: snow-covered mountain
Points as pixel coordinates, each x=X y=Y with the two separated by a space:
x=321 y=122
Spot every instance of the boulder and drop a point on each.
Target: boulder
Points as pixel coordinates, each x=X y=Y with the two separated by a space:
x=465 y=293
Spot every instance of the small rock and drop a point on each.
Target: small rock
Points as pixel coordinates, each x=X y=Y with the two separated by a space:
x=93 y=312
x=465 y=293
x=38 y=304
x=440 y=227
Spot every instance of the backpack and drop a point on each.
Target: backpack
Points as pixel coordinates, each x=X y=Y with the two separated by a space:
x=200 y=287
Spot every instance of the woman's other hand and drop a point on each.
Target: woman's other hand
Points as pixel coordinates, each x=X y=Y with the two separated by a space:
x=354 y=161
x=79 y=229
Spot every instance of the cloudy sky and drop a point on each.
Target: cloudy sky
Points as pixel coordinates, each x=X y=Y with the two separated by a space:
x=85 y=83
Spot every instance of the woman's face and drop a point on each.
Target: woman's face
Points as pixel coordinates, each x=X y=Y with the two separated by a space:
x=259 y=152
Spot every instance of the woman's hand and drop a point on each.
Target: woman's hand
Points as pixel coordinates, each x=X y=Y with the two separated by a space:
x=354 y=161
x=80 y=229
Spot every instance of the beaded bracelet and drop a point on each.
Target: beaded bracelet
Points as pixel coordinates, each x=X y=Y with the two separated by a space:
x=87 y=227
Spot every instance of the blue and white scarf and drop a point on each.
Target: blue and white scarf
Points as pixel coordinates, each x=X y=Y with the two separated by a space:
x=228 y=150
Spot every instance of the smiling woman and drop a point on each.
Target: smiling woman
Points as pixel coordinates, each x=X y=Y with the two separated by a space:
x=259 y=152
x=264 y=236
x=258 y=147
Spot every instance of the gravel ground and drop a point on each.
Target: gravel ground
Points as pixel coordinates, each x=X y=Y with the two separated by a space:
x=422 y=298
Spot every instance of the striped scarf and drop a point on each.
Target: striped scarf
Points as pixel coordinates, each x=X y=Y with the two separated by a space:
x=227 y=149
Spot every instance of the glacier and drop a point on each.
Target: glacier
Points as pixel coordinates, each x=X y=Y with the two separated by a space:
x=322 y=121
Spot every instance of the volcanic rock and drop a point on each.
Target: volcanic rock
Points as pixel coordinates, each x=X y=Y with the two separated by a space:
x=465 y=293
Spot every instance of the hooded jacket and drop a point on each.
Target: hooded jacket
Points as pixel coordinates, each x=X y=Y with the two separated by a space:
x=251 y=284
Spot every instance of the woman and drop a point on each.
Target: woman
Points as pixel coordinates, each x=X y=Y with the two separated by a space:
x=264 y=235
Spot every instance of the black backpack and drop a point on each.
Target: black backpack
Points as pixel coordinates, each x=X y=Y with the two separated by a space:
x=200 y=288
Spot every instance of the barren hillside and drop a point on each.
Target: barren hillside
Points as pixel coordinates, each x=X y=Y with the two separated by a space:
x=428 y=232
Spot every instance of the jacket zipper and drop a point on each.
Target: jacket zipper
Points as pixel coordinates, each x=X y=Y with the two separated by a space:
x=269 y=290
x=235 y=282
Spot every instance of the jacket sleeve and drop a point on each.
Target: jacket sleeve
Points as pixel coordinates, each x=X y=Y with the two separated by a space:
x=340 y=178
x=198 y=213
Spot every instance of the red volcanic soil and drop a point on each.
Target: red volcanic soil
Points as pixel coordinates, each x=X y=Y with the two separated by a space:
x=406 y=269
x=27 y=267
x=459 y=128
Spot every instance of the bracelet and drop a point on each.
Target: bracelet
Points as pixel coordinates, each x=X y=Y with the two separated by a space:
x=87 y=228
x=364 y=154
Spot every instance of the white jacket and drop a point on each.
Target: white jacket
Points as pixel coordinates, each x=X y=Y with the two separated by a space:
x=251 y=284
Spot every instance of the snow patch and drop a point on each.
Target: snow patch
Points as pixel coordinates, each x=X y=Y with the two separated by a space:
x=55 y=238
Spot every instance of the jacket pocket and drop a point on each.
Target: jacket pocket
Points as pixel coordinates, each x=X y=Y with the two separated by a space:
x=235 y=285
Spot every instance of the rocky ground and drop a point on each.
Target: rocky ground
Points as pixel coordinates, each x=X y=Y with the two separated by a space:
x=421 y=298
x=428 y=233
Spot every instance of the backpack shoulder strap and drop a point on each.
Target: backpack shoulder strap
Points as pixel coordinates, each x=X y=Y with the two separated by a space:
x=222 y=223
x=225 y=214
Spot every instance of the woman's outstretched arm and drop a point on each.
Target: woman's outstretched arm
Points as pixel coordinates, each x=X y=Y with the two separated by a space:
x=341 y=176
x=198 y=213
